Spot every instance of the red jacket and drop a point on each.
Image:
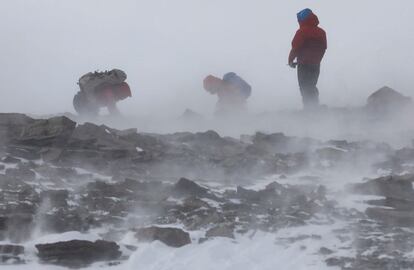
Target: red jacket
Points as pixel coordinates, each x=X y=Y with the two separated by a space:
x=309 y=44
x=109 y=95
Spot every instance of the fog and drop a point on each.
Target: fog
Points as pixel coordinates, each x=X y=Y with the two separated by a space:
x=168 y=47
x=295 y=188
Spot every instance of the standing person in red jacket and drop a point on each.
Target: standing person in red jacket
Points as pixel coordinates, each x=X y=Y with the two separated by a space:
x=308 y=47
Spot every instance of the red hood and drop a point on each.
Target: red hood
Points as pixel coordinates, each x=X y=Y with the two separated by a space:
x=311 y=21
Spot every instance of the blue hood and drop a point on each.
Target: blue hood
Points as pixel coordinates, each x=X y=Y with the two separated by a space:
x=304 y=14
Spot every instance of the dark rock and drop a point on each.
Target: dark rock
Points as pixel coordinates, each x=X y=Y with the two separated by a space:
x=325 y=251
x=387 y=101
x=78 y=253
x=57 y=198
x=187 y=187
x=393 y=203
x=11 y=249
x=336 y=262
x=203 y=240
x=91 y=136
x=193 y=203
x=190 y=115
x=63 y=220
x=398 y=187
x=257 y=196
x=24 y=151
x=208 y=136
x=331 y=154
x=11 y=254
x=392 y=217
x=221 y=231
x=11 y=126
x=173 y=237
x=10 y=159
x=275 y=186
x=47 y=171
x=279 y=143
x=248 y=195
x=51 y=154
x=47 y=132
x=21 y=173
x=3 y=223
x=131 y=247
x=16 y=227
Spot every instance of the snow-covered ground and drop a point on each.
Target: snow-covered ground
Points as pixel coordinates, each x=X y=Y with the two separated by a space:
x=289 y=248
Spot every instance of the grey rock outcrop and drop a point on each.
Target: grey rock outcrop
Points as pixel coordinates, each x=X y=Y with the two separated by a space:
x=173 y=237
x=386 y=101
x=78 y=253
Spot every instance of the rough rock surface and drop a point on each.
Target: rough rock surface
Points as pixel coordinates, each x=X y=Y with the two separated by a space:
x=11 y=254
x=56 y=177
x=172 y=237
x=78 y=253
x=387 y=101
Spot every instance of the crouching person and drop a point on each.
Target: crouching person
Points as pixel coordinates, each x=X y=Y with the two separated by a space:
x=101 y=90
x=232 y=92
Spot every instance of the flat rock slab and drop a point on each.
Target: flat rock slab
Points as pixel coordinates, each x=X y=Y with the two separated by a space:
x=396 y=187
x=78 y=253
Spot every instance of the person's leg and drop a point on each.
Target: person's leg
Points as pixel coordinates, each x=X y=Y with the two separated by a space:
x=308 y=77
x=314 y=71
x=304 y=86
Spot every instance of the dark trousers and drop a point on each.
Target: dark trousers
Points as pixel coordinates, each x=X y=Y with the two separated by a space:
x=308 y=76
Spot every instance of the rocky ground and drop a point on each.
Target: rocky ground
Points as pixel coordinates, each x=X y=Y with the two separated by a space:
x=57 y=176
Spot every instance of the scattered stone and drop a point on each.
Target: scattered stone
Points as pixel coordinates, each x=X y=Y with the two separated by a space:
x=325 y=251
x=392 y=217
x=398 y=187
x=185 y=187
x=11 y=254
x=54 y=131
x=172 y=237
x=387 y=101
x=221 y=231
x=10 y=160
x=25 y=174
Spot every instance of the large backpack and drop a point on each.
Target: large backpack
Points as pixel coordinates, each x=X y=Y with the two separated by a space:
x=236 y=80
x=93 y=81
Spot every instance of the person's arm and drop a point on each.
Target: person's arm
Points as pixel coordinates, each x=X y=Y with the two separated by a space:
x=297 y=43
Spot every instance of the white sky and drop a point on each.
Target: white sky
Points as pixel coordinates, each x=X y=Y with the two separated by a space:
x=168 y=46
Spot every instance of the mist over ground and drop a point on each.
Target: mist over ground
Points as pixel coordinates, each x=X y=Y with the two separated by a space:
x=159 y=189
x=168 y=47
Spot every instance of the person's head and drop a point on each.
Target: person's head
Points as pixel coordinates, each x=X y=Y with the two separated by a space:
x=212 y=84
x=122 y=91
x=306 y=17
